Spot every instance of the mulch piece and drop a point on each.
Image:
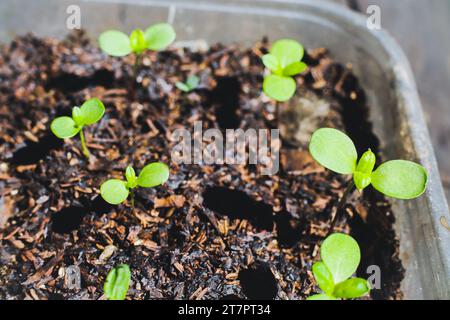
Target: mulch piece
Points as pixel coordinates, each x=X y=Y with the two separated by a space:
x=212 y=231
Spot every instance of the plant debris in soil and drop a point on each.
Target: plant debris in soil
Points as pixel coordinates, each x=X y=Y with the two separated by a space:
x=210 y=232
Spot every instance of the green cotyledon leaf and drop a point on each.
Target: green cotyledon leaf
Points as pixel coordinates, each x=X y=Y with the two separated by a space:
x=278 y=87
x=341 y=255
x=271 y=62
x=159 y=36
x=115 y=43
x=64 y=127
x=117 y=282
x=153 y=175
x=334 y=150
x=287 y=51
x=93 y=110
x=114 y=191
x=400 y=179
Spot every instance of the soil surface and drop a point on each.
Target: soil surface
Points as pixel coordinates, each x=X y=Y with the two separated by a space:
x=210 y=232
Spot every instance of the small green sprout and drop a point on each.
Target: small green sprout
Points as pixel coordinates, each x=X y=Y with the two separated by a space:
x=117 y=282
x=115 y=191
x=284 y=62
x=89 y=113
x=400 y=179
x=191 y=84
x=335 y=151
x=340 y=256
x=118 y=44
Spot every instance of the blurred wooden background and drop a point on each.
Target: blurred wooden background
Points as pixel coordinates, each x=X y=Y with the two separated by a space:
x=422 y=28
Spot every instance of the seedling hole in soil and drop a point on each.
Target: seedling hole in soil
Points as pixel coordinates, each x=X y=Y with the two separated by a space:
x=258 y=282
x=100 y=206
x=226 y=97
x=32 y=152
x=237 y=204
x=68 y=219
x=289 y=230
x=67 y=82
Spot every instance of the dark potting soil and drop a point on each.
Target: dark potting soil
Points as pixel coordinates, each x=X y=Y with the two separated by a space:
x=210 y=232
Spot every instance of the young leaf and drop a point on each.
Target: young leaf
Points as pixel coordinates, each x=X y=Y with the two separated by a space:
x=78 y=116
x=115 y=43
x=321 y=296
x=64 y=127
x=287 y=51
x=159 y=36
x=271 y=62
x=278 y=87
x=294 y=68
x=192 y=82
x=352 y=288
x=182 y=86
x=153 y=175
x=400 y=179
x=117 y=283
x=130 y=175
x=137 y=41
x=114 y=191
x=334 y=150
x=341 y=255
x=363 y=172
x=93 y=110
x=323 y=277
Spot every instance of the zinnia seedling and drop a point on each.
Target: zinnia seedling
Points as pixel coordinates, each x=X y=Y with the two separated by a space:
x=118 y=44
x=284 y=62
x=191 y=84
x=89 y=113
x=117 y=282
x=115 y=191
x=335 y=151
x=340 y=256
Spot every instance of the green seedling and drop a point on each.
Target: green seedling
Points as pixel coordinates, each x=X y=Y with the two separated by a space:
x=118 y=44
x=115 y=191
x=89 y=113
x=117 y=282
x=284 y=62
x=190 y=84
x=340 y=256
x=335 y=151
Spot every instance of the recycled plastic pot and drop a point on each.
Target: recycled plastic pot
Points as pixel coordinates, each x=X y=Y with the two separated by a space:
x=378 y=62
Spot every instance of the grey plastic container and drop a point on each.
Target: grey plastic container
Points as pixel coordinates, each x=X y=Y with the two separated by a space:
x=377 y=60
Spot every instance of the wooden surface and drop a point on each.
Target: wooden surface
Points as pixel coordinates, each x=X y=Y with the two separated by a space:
x=422 y=28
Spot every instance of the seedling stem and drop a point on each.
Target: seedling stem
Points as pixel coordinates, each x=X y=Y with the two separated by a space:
x=348 y=191
x=136 y=65
x=83 y=145
x=132 y=199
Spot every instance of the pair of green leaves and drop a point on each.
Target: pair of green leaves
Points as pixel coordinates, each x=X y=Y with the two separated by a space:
x=118 y=44
x=115 y=191
x=284 y=62
x=117 y=282
x=340 y=256
x=190 y=84
x=400 y=179
x=89 y=113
